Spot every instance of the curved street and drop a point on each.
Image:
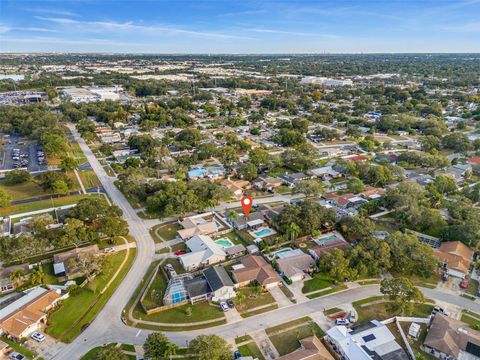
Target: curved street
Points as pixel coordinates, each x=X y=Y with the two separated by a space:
x=108 y=327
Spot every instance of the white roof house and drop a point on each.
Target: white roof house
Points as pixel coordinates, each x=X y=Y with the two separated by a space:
x=366 y=341
x=204 y=252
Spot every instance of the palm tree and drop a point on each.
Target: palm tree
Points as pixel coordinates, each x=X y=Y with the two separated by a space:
x=37 y=276
x=232 y=215
x=292 y=231
x=16 y=276
x=170 y=349
x=256 y=289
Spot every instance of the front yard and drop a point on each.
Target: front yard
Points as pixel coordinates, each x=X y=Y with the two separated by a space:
x=380 y=311
x=165 y=232
x=287 y=341
x=253 y=300
x=319 y=281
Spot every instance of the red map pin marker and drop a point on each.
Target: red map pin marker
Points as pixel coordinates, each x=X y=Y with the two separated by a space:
x=246 y=204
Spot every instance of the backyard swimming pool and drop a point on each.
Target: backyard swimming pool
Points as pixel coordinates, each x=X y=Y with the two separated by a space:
x=224 y=242
x=263 y=232
x=197 y=172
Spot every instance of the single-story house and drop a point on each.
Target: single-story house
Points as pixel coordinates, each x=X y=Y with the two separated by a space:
x=448 y=338
x=25 y=315
x=311 y=348
x=64 y=264
x=267 y=183
x=255 y=268
x=6 y=284
x=254 y=220
x=222 y=287
x=325 y=172
x=326 y=243
x=197 y=289
x=372 y=193
x=367 y=341
x=204 y=252
x=455 y=256
x=235 y=250
x=293 y=179
x=294 y=267
x=237 y=187
x=197 y=225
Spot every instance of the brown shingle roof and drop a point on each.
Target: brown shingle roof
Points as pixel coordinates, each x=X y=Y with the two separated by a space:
x=311 y=349
x=456 y=254
x=17 y=322
x=450 y=336
x=256 y=268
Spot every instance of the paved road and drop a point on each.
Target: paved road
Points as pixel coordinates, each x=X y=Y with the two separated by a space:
x=108 y=321
x=108 y=327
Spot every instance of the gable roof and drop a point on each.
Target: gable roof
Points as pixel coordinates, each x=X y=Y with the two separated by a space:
x=217 y=277
x=197 y=287
x=450 y=336
x=457 y=255
x=17 y=321
x=311 y=349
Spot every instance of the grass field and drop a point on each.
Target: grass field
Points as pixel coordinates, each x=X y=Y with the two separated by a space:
x=328 y=291
x=319 y=281
x=201 y=311
x=287 y=341
x=89 y=178
x=166 y=232
x=259 y=311
x=42 y=204
x=381 y=311
x=23 y=191
x=251 y=349
x=287 y=325
x=253 y=302
x=156 y=291
x=76 y=306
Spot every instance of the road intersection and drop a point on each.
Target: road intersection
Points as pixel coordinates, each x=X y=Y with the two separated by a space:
x=108 y=326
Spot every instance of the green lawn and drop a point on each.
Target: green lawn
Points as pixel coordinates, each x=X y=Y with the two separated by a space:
x=154 y=294
x=319 y=281
x=176 y=265
x=40 y=205
x=328 y=291
x=253 y=302
x=23 y=191
x=92 y=353
x=165 y=232
x=283 y=190
x=289 y=324
x=369 y=282
x=259 y=311
x=471 y=319
x=76 y=306
x=201 y=311
x=332 y=311
x=287 y=341
x=380 y=311
x=416 y=344
x=251 y=349
x=89 y=178
x=240 y=339
x=473 y=287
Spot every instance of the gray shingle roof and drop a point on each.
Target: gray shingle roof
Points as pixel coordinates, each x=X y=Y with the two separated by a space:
x=217 y=277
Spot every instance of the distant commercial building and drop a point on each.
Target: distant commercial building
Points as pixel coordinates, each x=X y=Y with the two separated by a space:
x=328 y=82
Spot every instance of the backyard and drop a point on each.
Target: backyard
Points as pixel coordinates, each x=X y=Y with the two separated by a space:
x=78 y=310
x=201 y=311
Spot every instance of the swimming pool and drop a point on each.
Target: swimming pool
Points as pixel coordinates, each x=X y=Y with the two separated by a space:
x=326 y=238
x=224 y=242
x=263 y=232
x=282 y=251
x=197 y=172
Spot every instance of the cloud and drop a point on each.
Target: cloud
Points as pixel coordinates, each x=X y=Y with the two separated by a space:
x=60 y=12
x=4 y=29
x=56 y=40
x=100 y=26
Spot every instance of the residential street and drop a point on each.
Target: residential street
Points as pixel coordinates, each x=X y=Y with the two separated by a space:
x=108 y=327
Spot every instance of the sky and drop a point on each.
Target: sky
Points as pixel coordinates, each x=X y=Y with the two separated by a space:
x=240 y=26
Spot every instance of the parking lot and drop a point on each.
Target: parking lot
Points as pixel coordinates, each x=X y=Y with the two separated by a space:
x=21 y=153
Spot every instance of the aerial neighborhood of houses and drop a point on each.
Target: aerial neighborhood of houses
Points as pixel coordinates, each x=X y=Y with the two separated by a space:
x=123 y=228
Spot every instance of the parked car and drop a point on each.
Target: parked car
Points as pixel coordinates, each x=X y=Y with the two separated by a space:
x=237 y=354
x=230 y=304
x=437 y=309
x=342 y=321
x=108 y=250
x=223 y=306
x=179 y=252
x=38 y=337
x=444 y=276
x=16 y=356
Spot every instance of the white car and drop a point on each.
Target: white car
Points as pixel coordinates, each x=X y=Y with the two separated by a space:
x=38 y=337
x=108 y=250
x=16 y=356
x=342 y=321
x=224 y=306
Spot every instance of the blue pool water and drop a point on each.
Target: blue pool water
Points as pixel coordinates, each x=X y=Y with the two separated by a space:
x=197 y=172
x=263 y=232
